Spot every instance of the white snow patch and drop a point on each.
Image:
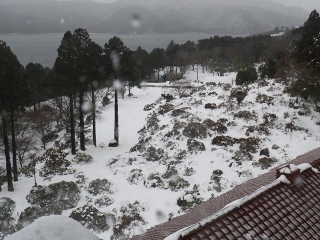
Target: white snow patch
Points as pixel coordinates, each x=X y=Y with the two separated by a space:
x=54 y=228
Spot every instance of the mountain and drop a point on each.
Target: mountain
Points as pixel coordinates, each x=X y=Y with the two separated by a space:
x=244 y=16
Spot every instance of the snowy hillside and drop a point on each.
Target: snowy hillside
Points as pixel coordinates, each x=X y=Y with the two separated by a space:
x=172 y=155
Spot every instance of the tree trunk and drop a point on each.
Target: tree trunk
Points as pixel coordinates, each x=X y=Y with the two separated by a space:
x=158 y=74
x=82 y=144
x=72 y=132
x=94 y=137
x=6 y=151
x=116 y=117
x=14 y=151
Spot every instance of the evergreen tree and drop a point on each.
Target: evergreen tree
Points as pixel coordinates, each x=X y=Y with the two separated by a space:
x=66 y=69
x=13 y=94
x=34 y=74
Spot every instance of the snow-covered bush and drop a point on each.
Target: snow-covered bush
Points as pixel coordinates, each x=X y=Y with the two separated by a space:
x=128 y=218
x=176 y=183
x=154 y=180
x=250 y=144
x=154 y=154
x=82 y=158
x=28 y=215
x=163 y=109
x=62 y=195
x=188 y=171
x=246 y=115
x=149 y=107
x=195 y=130
x=54 y=163
x=215 y=183
x=195 y=146
x=135 y=176
x=181 y=112
x=217 y=127
x=100 y=186
x=171 y=172
x=7 y=206
x=190 y=198
x=241 y=155
x=265 y=162
x=223 y=141
x=104 y=201
x=92 y=218
x=263 y=98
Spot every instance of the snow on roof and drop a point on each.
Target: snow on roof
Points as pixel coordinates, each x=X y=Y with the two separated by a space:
x=54 y=228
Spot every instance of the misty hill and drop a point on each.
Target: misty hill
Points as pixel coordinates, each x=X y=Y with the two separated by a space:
x=244 y=16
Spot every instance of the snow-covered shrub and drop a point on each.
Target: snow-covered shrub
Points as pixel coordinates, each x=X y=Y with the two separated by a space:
x=32 y=213
x=149 y=107
x=250 y=144
x=246 y=115
x=211 y=84
x=194 y=146
x=226 y=86
x=188 y=171
x=62 y=195
x=7 y=206
x=176 y=129
x=260 y=129
x=181 y=112
x=241 y=155
x=212 y=94
x=304 y=110
x=154 y=180
x=176 y=183
x=140 y=146
x=181 y=155
x=55 y=163
x=100 y=186
x=105 y=100
x=128 y=218
x=135 y=176
x=217 y=127
x=263 y=98
x=223 y=141
x=82 y=158
x=152 y=125
x=265 y=162
x=171 y=172
x=265 y=152
x=154 y=154
x=190 y=198
x=215 y=183
x=81 y=178
x=104 y=201
x=195 y=130
x=202 y=94
x=92 y=218
x=210 y=106
x=163 y=109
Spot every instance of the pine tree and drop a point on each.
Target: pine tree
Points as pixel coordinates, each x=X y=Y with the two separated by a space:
x=13 y=95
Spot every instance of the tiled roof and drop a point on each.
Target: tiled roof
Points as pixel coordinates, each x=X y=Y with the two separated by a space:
x=298 y=208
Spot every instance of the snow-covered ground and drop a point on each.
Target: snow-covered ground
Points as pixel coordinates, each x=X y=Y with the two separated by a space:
x=157 y=204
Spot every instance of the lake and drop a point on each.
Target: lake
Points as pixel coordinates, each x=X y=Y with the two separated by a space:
x=42 y=48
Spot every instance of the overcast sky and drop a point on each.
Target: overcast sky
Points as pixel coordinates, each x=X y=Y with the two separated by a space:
x=308 y=5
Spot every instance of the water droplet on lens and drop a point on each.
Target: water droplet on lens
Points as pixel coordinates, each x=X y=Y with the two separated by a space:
x=87 y=107
x=114 y=56
x=135 y=20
